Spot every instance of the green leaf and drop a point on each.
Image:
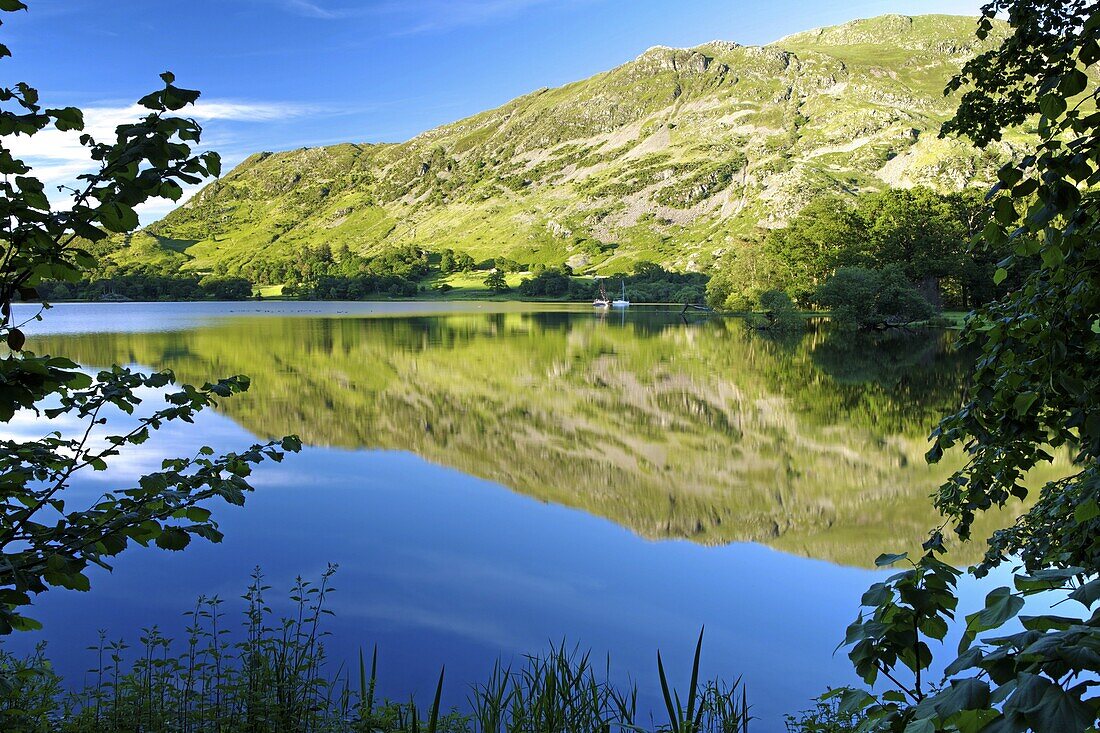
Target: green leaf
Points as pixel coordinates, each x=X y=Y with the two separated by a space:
x=854 y=701
x=1052 y=105
x=1060 y=712
x=974 y=721
x=966 y=660
x=1005 y=211
x=1046 y=579
x=887 y=559
x=876 y=595
x=73 y=581
x=1089 y=53
x=23 y=623
x=1088 y=593
x=213 y=163
x=1052 y=256
x=1086 y=510
x=1048 y=623
x=1000 y=275
x=1073 y=83
x=173 y=538
x=67 y=118
x=170 y=190
x=118 y=217
x=1000 y=605
x=964 y=694
x=925 y=725
x=1024 y=402
x=175 y=98
x=16 y=339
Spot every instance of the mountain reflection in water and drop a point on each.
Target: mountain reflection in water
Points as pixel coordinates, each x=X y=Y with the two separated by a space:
x=699 y=430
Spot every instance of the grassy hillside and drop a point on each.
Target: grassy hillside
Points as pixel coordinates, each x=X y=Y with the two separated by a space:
x=672 y=157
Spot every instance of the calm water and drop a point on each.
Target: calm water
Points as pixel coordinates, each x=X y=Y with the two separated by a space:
x=492 y=477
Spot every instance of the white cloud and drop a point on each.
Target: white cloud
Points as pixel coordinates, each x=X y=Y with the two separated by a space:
x=438 y=15
x=319 y=9
x=226 y=109
x=156 y=209
x=416 y=16
x=57 y=158
x=310 y=10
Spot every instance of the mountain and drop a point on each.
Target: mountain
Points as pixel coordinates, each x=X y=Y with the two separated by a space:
x=673 y=157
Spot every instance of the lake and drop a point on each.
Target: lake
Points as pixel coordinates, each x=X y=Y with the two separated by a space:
x=492 y=478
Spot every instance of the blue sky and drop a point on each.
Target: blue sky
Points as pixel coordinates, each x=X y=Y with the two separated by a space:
x=279 y=74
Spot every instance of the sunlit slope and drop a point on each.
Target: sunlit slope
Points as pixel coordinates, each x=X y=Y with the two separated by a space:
x=703 y=433
x=670 y=157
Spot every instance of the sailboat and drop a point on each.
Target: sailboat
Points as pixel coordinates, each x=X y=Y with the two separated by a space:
x=621 y=302
x=602 y=301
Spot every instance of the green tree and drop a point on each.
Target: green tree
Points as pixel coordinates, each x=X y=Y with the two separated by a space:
x=928 y=235
x=778 y=314
x=916 y=229
x=824 y=235
x=226 y=288
x=447 y=262
x=553 y=282
x=495 y=281
x=924 y=232
x=44 y=540
x=1039 y=379
x=689 y=295
x=742 y=275
x=1035 y=390
x=872 y=299
x=464 y=262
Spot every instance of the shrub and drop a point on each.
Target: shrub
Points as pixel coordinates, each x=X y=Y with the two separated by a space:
x=777 y=313
x=226 y=288
x=691 y=294
x=826 y=717
x=872 y=299
x=552 y=283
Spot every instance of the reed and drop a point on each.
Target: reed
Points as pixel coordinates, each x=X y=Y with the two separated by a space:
x=273 y=677
x=559 y=691
x=712 y=708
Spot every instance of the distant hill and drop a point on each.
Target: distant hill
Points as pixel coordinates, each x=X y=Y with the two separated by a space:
x=672 y=157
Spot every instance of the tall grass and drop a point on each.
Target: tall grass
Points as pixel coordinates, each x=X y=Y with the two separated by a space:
x=275 y=678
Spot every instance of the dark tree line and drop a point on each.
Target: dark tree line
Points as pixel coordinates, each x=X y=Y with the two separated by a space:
x=147 y=287
x=311 y=264
x=649 y=283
